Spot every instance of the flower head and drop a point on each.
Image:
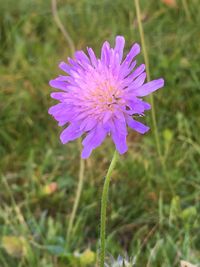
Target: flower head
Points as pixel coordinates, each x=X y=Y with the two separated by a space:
x=99 y=97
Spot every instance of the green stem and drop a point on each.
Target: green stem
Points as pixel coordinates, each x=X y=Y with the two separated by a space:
x=61 y=27
x=77 y=197
x=153 y=114
x=104 y=201
x=186 y=9
x=146 y=60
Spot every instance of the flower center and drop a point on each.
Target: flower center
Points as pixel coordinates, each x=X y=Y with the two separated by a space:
x=105 y=96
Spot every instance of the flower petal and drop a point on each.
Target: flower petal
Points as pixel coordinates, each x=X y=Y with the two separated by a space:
x=105 y=53
x=92 y=56
x=120 y=142
x=93 y=140
x=65 y=67
x=138 y=82
x=58 y=96
x=58 y=84
x=135 y=50
x=149 y=87
x=137 y=126
x=118 y=136
x=137 y=71
x=88 y=124
x=62 y=113
x=57 y=108
x=71 y=133
x=82 y=58
x=137 y=106
x=119 y=46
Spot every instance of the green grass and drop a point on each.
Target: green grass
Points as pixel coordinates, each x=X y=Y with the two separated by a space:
x=145 y=219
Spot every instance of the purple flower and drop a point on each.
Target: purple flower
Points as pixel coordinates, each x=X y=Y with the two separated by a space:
x=99 y=97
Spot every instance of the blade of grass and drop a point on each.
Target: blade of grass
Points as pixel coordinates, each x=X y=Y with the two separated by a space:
x=155 y=127
x=61 y=27
x=82 y=163
x=77 y=196
x=146 y=60
x=186 y=9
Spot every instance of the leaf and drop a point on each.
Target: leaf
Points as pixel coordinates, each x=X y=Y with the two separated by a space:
x=168 y=135
x=174 y=209
x=56 y=249
x=15 y=246
x=88 y=257
x=189 y=214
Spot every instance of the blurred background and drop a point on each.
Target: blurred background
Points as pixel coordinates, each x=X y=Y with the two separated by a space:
x=153 y=210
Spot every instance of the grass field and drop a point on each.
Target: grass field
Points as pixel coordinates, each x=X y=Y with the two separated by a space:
x=153 y=211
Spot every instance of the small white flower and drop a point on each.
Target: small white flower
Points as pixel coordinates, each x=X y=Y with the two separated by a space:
x=120 y=262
